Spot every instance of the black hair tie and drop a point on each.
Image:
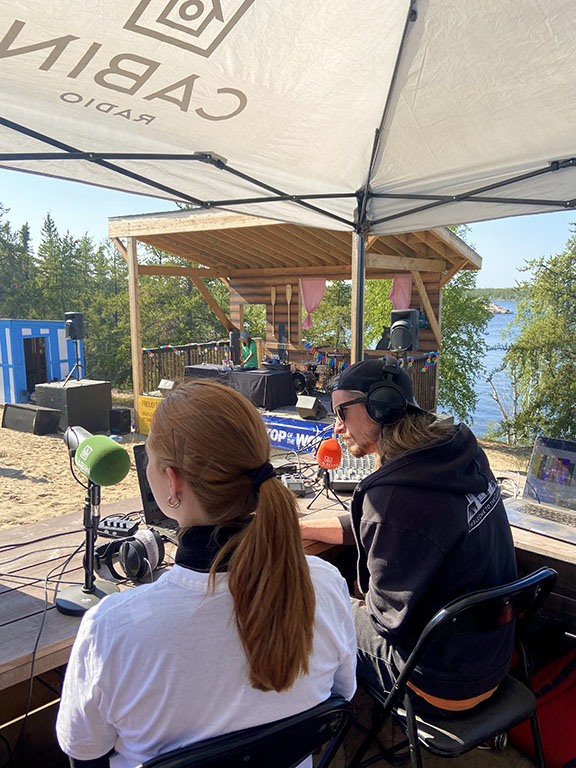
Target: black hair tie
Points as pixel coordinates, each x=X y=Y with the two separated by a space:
x=260 y=475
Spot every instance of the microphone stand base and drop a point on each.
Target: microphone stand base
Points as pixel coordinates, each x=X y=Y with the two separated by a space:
x=73 y=601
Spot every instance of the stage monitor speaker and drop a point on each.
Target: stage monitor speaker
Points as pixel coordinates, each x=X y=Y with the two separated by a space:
x=310 y=407
x=74 y=327
x=120 y=421
x=30 y=418
x=166 y=386
x=404 y=329
x=83 y=403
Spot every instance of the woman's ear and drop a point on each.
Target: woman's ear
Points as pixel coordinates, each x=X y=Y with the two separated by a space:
x=175 y=480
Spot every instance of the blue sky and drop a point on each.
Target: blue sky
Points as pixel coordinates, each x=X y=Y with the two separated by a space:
x=503 y=244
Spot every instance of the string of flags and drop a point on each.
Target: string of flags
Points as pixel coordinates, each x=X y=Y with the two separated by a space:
x=322 y=357
x=431 y=360
x=408 y=362
x=201 y=347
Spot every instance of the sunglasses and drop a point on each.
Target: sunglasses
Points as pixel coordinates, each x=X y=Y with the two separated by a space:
x=339 y=409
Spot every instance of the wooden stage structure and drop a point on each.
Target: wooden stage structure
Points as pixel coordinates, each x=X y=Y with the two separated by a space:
x=261 y=261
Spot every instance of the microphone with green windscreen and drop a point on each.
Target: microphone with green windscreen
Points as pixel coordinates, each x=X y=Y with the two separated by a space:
x=102 y=460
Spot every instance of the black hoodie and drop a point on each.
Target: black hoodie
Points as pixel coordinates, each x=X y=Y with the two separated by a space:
x=430 y=527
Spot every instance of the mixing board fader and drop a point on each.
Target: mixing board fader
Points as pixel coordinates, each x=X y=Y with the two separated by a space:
x=351 y=471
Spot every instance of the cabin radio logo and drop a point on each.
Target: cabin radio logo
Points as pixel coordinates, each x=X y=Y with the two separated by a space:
x=198 y=26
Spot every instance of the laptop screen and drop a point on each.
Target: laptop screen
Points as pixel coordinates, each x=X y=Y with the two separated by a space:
x=551 y=478
x=152 y=512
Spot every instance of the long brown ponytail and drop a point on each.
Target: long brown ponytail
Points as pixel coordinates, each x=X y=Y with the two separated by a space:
x=213 y=436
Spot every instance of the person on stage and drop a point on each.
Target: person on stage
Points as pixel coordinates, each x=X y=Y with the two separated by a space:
x=249 y=351
x=429 y=526
x=243 y=630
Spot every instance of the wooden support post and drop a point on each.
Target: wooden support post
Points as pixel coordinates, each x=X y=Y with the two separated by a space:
x=432 y=319
x=120 y=248
x=451 y=272
x=212 y=303
x=135 y=327
x=358 y=282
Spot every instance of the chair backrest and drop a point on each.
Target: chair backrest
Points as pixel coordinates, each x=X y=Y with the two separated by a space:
x=482 y=611
x=283 y=744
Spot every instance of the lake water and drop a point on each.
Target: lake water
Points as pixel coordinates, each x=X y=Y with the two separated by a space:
x=487 y=410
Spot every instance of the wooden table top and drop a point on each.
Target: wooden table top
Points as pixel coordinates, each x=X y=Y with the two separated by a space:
x=26 y=606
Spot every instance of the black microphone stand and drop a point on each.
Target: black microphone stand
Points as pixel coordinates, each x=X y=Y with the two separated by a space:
x=327 y=489
x=76 y=600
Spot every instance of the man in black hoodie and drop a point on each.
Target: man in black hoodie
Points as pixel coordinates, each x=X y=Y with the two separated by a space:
x=429 y=526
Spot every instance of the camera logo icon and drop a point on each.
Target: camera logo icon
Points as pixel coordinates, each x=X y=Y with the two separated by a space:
x=198 y=26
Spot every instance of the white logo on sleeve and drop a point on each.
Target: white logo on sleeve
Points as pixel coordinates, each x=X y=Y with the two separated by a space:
x=480 y=505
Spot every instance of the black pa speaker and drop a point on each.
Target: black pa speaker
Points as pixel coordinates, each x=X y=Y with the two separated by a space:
x=30 y=418
x=310 y=407
x=74 y=328
x=404 y=329
x=235 y=347
x=120 y=421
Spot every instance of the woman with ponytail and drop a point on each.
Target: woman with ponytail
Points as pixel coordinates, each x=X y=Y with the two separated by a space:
x=243 y=630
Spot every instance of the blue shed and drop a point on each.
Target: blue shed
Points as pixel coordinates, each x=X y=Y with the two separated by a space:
x=33 y=352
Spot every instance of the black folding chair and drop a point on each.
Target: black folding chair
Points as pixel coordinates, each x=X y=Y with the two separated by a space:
x=512 y=703
x=283 y=744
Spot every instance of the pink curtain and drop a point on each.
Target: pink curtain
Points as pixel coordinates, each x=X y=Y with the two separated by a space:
x=401 y=291
x=312 y=290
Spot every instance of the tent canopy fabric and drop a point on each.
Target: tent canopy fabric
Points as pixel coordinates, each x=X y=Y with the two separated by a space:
x=386 y=116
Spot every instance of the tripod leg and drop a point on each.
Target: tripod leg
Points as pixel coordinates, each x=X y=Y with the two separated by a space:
x=314 y=499
x=330 y=490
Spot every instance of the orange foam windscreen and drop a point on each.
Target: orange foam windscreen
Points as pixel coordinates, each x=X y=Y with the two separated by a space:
x=329 y=453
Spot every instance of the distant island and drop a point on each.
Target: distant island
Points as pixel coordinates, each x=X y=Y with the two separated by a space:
x=497 y=310
x=498 y=294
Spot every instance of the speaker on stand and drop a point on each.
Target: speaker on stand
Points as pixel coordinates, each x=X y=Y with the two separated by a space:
x=74 y=329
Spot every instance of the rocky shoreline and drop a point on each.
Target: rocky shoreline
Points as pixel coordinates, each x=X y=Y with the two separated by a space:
x=497 y=310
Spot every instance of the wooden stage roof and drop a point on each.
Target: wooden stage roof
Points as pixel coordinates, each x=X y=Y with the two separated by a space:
x=237 y=245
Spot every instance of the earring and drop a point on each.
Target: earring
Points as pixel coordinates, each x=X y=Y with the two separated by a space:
x=173 y=504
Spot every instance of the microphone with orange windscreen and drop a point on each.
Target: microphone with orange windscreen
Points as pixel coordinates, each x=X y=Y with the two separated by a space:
x=328 y=456
x=329 y=453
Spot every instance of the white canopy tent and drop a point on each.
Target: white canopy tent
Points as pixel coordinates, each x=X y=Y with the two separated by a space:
x=379 y=116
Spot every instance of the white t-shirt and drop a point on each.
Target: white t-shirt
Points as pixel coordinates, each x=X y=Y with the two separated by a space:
x=161 y=666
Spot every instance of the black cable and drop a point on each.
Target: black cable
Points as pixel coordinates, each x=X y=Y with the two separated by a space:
x=15 y=545
x=34 y=552
x=74 y=475
x=35 y=650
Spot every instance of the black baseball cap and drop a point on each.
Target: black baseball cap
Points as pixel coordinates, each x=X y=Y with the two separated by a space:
x=363 y=375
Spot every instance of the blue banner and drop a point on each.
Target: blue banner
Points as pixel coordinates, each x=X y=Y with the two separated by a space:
x=293 y=434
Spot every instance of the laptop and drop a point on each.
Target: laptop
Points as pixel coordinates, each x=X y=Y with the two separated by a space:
x=153 y=515
x=548 y=503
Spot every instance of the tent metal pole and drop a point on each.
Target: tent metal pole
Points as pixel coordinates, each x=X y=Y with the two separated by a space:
x=135 y=327
x=358 y=283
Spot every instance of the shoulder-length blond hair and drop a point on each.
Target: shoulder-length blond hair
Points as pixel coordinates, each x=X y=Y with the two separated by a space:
x=413 y=430
x=212 y=436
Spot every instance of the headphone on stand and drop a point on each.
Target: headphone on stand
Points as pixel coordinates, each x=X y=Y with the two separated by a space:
x=386 y=400
x=136 y=555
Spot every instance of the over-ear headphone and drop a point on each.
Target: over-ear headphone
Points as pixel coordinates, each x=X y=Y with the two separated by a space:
x=137 y=556
x=385 y=401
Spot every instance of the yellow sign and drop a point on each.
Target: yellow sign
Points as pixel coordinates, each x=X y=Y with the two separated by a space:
x=146 y=408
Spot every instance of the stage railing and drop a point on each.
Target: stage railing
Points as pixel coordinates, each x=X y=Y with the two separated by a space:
x=169 y=362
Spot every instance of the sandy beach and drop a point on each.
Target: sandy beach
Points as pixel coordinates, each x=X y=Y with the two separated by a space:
x=36 y=482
